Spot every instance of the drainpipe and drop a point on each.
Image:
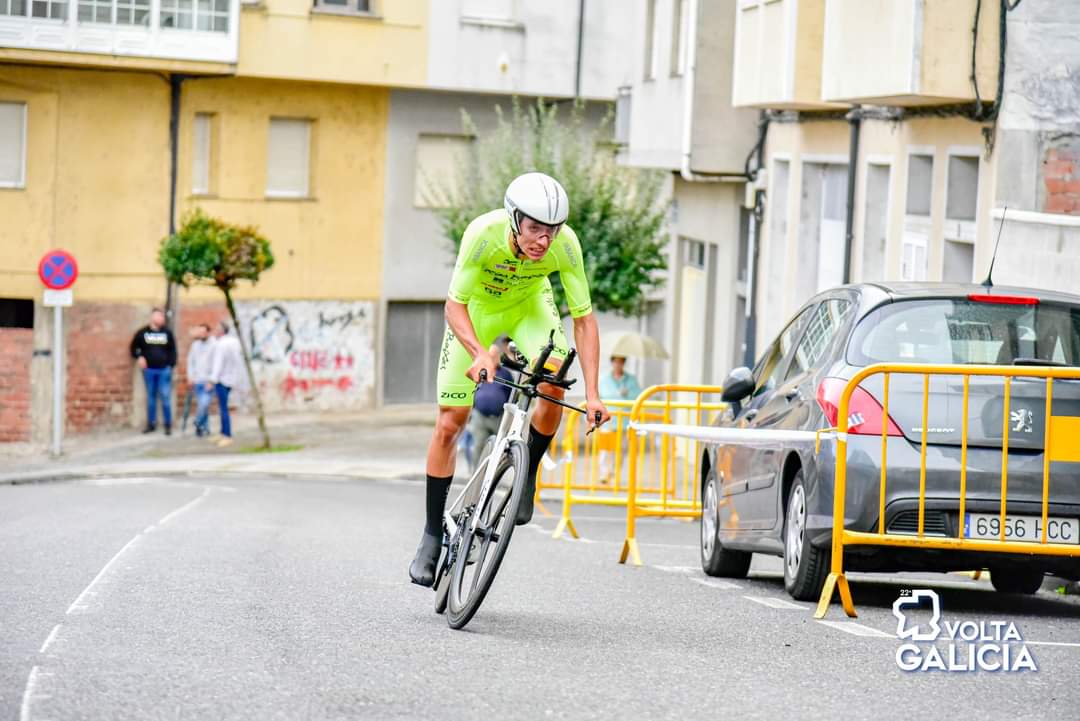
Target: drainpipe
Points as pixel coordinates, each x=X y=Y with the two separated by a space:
x=753 y=250
x=175 y=83
x=580 y=45
x=854 y=118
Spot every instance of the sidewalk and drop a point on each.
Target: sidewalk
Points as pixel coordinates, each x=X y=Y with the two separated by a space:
x=389 y=443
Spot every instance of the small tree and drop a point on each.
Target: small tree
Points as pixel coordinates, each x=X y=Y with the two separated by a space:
x=616 y=211
x=209 y=251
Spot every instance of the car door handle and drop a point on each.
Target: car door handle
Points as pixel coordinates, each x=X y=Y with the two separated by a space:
x=750 y=414
x=792 y=394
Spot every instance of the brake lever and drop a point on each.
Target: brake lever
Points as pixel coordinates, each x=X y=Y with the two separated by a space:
x=483 y=378
x=596 y=423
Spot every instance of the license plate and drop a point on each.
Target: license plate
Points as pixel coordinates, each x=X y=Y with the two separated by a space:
x=987 y=526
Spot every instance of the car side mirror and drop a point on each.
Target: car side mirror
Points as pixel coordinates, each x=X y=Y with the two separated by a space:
x=738 y=385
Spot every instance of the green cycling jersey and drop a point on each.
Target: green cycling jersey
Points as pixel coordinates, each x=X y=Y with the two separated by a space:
x=488 y=274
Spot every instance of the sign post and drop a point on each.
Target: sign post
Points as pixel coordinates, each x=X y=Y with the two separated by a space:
x=58 y=271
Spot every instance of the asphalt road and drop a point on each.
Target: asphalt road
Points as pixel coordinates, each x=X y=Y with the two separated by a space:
x=272 y=599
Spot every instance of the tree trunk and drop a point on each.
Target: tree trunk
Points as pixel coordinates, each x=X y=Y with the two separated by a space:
x=250 y=374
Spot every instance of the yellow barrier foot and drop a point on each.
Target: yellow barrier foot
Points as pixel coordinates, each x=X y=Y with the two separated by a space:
x=565 y=525
x=630 y=551
x=835 y=582
x=540 y=506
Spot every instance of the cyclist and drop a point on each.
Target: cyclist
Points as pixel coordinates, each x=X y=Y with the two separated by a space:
x=500 y=285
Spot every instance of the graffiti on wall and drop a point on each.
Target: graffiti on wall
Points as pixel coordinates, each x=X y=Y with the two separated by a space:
x=312 y=354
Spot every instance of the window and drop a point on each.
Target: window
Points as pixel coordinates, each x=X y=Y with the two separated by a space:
x=288 y=172
x=12 y=145
x=132 y=12
x=963 y=331
x=694 y=253
x=202 y=145
x=13 y=7
x=920 y=184
x=359 y=7
x=652 y=46
x=622 y=115
x=438 y=161
x=206 y=15
x=767 y=371
x=95 y=11
x=680 y=29
x=963 y=188
x=16 y=313
x=52 y=9
x=823 y=324
x=875 y=222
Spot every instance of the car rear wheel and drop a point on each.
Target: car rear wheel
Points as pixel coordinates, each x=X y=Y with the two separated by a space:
x=1009 y=579
x=715 y=559
x=805 y=566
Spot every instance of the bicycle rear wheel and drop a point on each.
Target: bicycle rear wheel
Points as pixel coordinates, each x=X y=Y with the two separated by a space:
x=480 y=553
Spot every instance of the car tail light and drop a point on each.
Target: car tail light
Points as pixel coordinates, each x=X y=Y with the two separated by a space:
x=1003 y=299
x=864 y=412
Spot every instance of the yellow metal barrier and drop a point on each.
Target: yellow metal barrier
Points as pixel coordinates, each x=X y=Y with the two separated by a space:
x=1061 y=443
x=679 y=493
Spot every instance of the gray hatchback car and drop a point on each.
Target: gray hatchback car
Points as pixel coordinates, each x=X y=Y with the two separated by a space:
x=777 y=499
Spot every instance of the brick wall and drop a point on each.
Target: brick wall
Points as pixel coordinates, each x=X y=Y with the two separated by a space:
x=16 y=350
x=1061 y=176
x=99 y=367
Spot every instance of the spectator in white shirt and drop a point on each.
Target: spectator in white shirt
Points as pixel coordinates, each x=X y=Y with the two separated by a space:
x=226 y=373
x=199 y=366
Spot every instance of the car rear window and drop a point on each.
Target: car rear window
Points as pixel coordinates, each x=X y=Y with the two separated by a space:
x=965 y=331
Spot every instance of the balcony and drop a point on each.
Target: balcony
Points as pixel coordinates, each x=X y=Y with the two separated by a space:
x=884 y=52
x=185 y=30
x=778 y=48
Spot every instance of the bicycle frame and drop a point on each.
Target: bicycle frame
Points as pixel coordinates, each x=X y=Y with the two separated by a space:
x=511 y=428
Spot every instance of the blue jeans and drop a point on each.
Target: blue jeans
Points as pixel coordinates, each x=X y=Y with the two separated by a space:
x=158 y=384
x=202 y=408
x=223 y=407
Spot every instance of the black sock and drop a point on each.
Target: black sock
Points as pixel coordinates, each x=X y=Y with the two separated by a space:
x=538 y=445
x=437 y=491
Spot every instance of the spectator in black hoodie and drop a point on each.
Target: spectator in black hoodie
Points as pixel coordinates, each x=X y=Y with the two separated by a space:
x=154 y=349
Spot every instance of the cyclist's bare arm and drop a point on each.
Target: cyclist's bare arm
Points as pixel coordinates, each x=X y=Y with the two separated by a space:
x=587 y=338
x=457 y=317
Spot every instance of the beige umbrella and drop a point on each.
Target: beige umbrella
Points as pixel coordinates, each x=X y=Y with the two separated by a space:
x=633 y=344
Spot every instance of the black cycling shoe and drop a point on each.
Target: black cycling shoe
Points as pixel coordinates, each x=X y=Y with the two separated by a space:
x=525 y=510
x=422 y=569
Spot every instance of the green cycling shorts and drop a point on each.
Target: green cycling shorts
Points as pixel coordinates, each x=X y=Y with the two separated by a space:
x=528 y=323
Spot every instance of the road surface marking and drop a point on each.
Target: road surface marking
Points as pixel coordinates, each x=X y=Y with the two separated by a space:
x=776 y=603
x=50 y=638
x=78 y=604
x=856 y=629
x=29 y=695
x=676 y=569
x=722 y=585
x=1052 y=643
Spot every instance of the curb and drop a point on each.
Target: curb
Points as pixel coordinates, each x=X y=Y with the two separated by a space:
x=69 y=476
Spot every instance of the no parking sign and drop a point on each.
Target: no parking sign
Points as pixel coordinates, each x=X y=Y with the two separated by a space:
x=58 y=272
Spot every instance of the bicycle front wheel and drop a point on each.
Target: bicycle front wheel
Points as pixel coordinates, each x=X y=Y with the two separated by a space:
x=481 y=551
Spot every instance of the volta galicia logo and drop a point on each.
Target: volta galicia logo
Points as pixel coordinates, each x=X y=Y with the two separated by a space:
x=955 y=646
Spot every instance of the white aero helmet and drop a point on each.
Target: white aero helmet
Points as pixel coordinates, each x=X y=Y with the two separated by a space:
x=538 y=196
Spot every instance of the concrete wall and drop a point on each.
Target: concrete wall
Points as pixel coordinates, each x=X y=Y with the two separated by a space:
x=721 y=136
x=97 y=180
x=531 y=49
x=329 y=244
x=311 y=354
x=907 y=52
x=289 y=39
x=1039 y=147
x=418 y=259
x=778 y=53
